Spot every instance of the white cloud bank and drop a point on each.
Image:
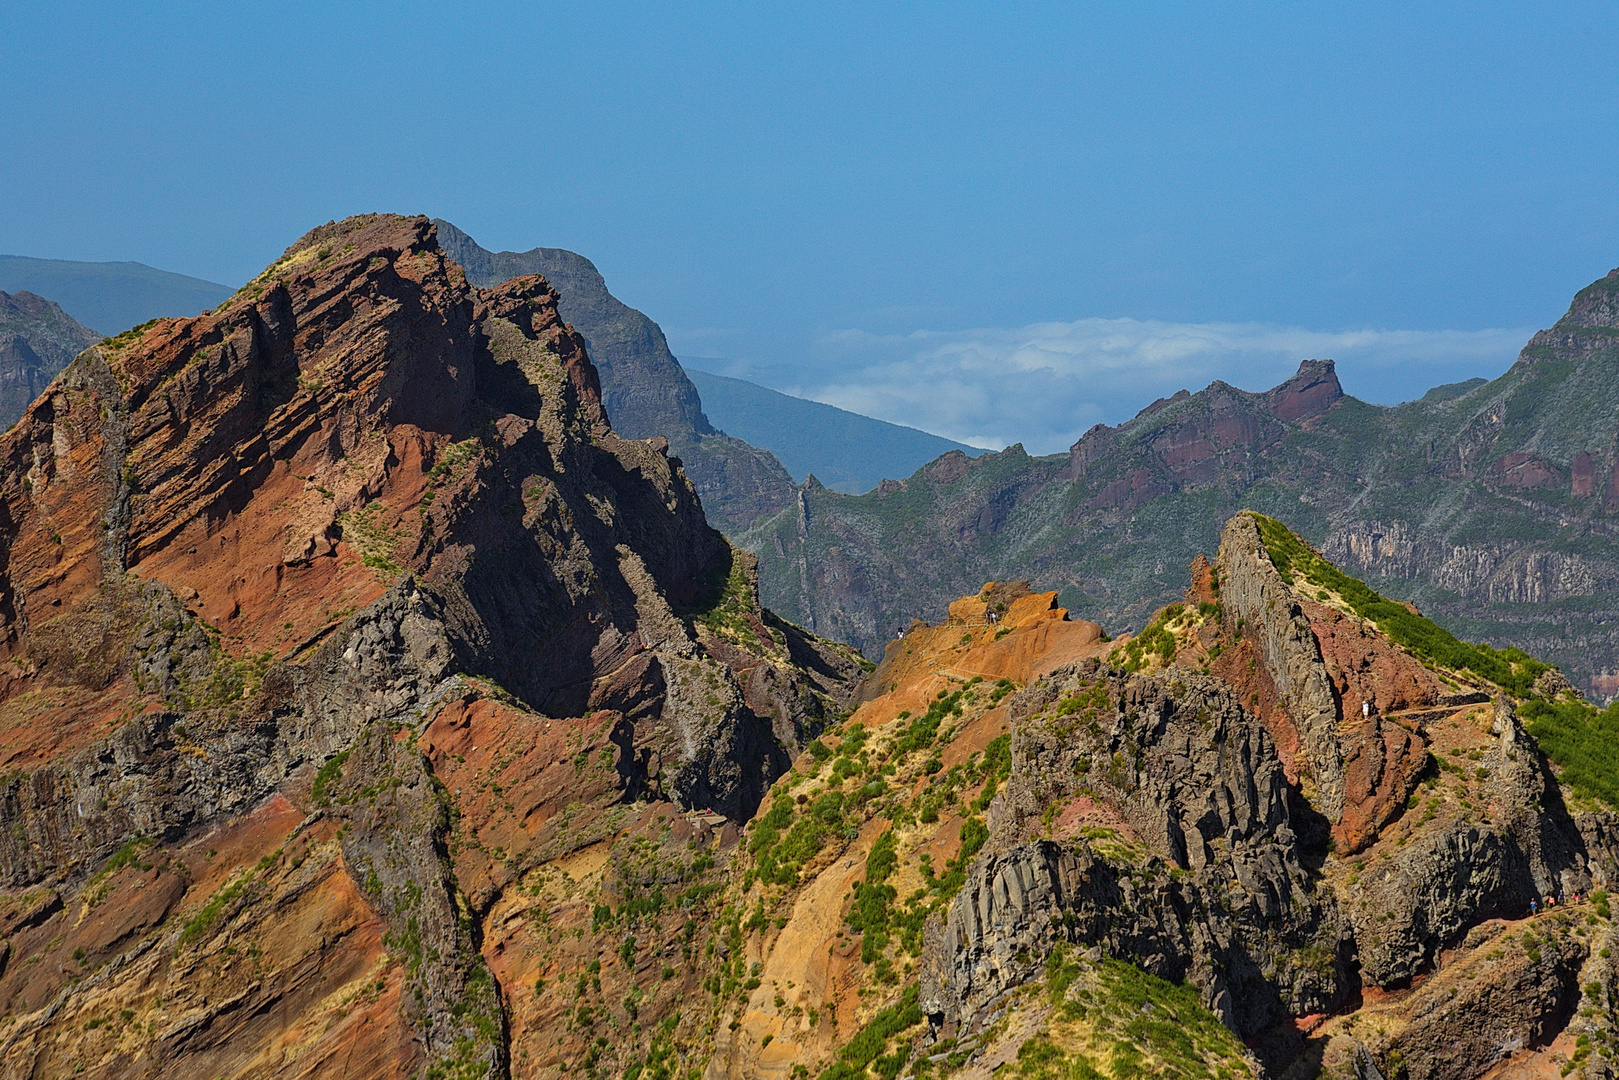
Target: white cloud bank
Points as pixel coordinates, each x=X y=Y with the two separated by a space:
x=1044 y=385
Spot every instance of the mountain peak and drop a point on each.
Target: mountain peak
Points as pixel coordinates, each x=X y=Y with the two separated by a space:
x=368 y=232
x=296 y=561
x=644 y=389
x=1310 y=392
x=1595 y=307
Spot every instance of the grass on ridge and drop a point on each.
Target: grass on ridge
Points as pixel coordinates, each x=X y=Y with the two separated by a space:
x=1514 y=670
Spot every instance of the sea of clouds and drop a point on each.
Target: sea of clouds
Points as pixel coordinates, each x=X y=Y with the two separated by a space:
x=1043 y=385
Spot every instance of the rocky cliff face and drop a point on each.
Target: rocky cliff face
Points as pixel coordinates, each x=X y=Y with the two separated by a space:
x=329 y=622
x=37 y=340
x=643 y=387
x=1195 y=781
x=1150 y=816
x=1491 y=505
x=1271 y=835
x=368 y=704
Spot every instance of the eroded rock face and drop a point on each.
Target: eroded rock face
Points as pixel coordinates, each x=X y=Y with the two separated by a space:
x=643 y=387
x=285 y=536
x=168 y=772
x=1151 y=816
x=1504 y=995
x=37 y=340
x=1452 y=876
x=1255 y=594
x=1208 y=884
x=394 y=839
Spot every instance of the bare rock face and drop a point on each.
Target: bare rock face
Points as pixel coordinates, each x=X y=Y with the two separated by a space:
x=249 y=556
x=1215 y=893
x=1382 y=923
x=170 y=771
x=1454 y=875
x=644 y=389
x=1503 y=995
x=1255 y=594
x=394 y=839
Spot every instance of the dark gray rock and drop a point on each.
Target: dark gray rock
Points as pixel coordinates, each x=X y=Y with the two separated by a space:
x=37 y=340
x=1220 y=897
x=1252 y=591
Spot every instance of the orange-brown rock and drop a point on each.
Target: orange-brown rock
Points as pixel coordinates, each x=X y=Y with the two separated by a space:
x=1006 y=631
x=333 y=616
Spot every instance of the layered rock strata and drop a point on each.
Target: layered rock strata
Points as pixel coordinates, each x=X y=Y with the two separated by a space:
x=253 y=561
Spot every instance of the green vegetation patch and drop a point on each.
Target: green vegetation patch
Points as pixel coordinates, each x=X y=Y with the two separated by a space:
x=925 y=728
x=1155 y=639
x=865 y=1054
x=204 y=920
x=1113 y=1019
x=365 y=531
x=321 y=792
x=725 y=604
x=1511 y=669
x=1582 y=740
x=128 y=855
x=784 y=840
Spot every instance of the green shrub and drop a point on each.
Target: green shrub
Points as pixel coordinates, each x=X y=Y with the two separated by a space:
x=1583 y=741
x=870 y=1041
x=1511 y=669
x=329 y=774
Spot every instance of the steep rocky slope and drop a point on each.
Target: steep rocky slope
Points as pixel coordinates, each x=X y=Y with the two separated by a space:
x=1291 y=829
x=643 y=387
x=370 y=706
x=1489 y=504
x=37 y=339
x=344 y=647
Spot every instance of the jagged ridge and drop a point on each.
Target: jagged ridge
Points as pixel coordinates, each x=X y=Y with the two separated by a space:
x=1491 y=505
x=351 y=583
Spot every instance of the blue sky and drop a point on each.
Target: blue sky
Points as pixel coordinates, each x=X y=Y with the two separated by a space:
x=822 y=194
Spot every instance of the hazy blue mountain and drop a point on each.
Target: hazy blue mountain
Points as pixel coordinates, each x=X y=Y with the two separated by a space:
x=846 y=451
x=110 y=297
x=37 y=340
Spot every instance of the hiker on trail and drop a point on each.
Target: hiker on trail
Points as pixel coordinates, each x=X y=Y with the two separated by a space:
x=1534 y=906
x=1365 y=709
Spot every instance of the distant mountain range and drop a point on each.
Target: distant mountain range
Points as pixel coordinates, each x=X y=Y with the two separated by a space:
x=110 y=297
x=1493 y=505
x=844 y=450
x=37 y=340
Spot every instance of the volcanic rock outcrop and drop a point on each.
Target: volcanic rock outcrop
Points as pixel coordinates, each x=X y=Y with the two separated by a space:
x=643 y=386
x=1249 y=773
x=326 y=619
x=369 y=705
